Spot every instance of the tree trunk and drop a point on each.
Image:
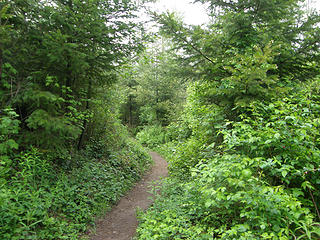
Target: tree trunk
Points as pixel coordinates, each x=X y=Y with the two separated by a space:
x=85 y=122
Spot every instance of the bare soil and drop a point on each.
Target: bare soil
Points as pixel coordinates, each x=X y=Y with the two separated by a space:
x=121 y=222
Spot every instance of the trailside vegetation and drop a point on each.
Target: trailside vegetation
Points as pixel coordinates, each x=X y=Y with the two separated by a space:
x=154 y=87
x=65 y=157
x=233 y=106
x=244 y=154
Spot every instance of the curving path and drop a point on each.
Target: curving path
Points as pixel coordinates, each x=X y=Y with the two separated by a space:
x=121 y=223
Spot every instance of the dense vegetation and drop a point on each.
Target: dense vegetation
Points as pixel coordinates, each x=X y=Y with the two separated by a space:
x=244 y=154
x=233 y=106
x=64 y=155
x=153 y=86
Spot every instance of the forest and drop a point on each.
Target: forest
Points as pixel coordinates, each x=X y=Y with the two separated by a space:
x=87 y=90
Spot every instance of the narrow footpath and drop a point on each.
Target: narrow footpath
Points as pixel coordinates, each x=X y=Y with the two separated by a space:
x=121 y=222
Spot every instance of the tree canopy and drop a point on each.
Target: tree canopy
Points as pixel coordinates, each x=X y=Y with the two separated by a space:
x=232 y=104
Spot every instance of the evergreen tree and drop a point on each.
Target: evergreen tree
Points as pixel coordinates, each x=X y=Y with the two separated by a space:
x=155 y=87
x=278 y=40
x=60 y=53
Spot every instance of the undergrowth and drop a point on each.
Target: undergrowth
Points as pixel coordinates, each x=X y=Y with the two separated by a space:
x=152 y=136
x=41 y=200
x=256 y=177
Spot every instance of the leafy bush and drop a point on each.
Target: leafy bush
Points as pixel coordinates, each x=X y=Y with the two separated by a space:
x=226 y=200
x=40 y=200
x=184 y=156
x=284 y=136
x=9 y=127
x=259 y=181
x=152 y=136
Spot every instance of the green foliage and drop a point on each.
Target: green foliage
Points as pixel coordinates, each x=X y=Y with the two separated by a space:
x=283 y=135
x=244 y=160
x=9 y=127
x=43 y=123
x=225 y=200
x=248 y=208
x=43 y=202
x=53 y=68
x=260 y=182
x=184 y=156
x=166 y=219
x=242 y=25
x=250 y=77
x=152 y=136
x=154 y=88
x=244 y=157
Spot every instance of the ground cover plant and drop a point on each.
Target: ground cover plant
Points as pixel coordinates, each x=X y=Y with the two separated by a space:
x=244 y=154
x=233 y=105
x=41 y=200
x=262 y=182
x=64 y=155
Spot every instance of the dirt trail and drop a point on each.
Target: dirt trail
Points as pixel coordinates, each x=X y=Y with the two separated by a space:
x=121 y=223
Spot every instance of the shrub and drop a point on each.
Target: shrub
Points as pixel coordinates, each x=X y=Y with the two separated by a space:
x=259 y=181
x=226 y=199
x=152 y=136
x=40 y=200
